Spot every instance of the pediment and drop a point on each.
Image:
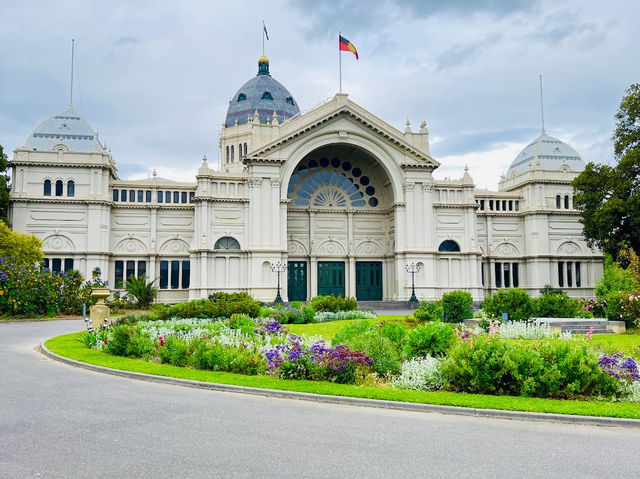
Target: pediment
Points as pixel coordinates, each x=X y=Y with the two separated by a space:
x=331 y=117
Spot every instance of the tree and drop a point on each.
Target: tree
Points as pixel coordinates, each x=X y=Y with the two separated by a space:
x=4 y=186
x=23 y=249
x=143 y=292
x=608 y=197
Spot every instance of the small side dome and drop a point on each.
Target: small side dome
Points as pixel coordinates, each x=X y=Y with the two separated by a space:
x=264 y=94
x=546 y=153
x=68 y=129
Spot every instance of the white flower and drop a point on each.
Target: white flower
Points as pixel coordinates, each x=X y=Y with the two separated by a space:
x=421 y=374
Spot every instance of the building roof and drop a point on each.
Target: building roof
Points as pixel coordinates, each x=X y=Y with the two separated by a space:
x=264 y=94
x=546 y=153
x=67 y=128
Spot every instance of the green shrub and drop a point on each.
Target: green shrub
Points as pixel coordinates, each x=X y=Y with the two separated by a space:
x=333 y=303
x=309 y=314
x=174 y=351
x=457 y=306
x=613 y=305
x=218 y=305
x=374 y=341
x=32 y=291
x=428 y=311
x=295 y=304
x=615 y=279
x=630 y=309
x=556 y=369
x=433 y=339
x=514 y=301
x=140 y=291
x=396 y=332
x=555 y=305
x=119 y=337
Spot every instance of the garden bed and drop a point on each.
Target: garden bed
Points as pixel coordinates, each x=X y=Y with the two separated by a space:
x=71 y=346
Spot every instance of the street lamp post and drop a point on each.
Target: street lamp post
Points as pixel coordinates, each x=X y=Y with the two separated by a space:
x=278 y=267
x=412 y=269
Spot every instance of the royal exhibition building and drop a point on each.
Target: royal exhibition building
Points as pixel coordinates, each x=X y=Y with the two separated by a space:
x=343 y=199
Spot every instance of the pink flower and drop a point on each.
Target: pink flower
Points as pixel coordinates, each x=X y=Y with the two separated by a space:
x=590 y=333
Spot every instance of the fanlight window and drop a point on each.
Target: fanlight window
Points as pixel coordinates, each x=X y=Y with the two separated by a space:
x=449 y=246
x=242 y=97
x=267 y=96
x=227 y=243
x=325 y=183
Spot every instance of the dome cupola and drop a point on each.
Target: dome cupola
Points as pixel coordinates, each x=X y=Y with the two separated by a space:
x=263 y=94
x=546 y=153
x=66 y=128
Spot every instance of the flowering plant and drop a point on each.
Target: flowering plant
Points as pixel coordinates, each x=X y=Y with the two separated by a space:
x=620 y=368
x=96 y=280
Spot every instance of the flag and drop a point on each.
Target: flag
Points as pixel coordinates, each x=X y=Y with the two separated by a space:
x=264 y=27
x=346 y=46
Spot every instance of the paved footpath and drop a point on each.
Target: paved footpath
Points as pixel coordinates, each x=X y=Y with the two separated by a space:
x=61 y=421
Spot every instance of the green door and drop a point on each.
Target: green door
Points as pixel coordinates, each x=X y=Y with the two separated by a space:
x=369 y=280
x=297 y=281
x=331 y=278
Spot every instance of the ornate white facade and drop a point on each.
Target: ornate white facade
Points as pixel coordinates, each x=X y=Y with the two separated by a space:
x=344 y=198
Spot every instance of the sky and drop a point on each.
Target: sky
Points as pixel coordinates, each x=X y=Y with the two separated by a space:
x=155 y=77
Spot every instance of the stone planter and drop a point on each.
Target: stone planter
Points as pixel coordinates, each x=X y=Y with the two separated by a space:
x=99 y=312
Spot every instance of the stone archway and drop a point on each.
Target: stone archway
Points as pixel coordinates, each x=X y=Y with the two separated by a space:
x=340 y=203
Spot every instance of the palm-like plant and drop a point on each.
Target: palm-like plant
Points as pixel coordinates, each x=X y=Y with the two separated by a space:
x=140 y=291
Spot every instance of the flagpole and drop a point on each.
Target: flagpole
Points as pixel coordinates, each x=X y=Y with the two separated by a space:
x=340 y=61
x=263 y=27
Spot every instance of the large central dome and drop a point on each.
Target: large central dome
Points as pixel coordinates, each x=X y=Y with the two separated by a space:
x=264 y=94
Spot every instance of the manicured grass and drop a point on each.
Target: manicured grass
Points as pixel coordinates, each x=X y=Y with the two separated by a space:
x=70 y=346
x=329 y=329
x=611 y=343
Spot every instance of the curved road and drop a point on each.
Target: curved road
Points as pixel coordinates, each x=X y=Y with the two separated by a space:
x=61 y=421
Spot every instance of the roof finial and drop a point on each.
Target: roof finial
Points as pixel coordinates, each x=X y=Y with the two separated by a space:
x=71 y=87
x=541 y=105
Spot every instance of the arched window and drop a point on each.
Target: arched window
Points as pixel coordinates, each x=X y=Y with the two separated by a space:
x=240 y=151
x=59 y=187
x=227 y=155
x=227 y=243
x=289 y=100
x=71 y=188
x=566 y=202
x=267 y=96
x=232 y=155
x=47 y=187
x=242 y=97
x=245 y=149
x=558 y=200
x=449 y=246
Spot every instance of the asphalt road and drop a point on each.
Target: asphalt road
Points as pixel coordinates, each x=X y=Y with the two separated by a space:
x=61 y=421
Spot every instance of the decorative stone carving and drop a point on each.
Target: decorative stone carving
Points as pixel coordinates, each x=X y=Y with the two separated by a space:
x=331 y=247
x=254 y=182
x=369 y=248
x=131 y=245
x=174 y=246
x=506 y=249
x=275 y=183
x=569 y=247
x=295 y=247
x=408 y=186
x=58 y=242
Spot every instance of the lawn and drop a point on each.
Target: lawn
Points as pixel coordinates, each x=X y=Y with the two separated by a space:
x=329 y=329
x=70 y=346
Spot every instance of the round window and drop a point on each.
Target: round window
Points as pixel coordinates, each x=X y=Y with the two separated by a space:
x=346 y=166
x=356 y=172
x=370 y=190
x=335 y=162
x=373 y=201
x=364 y=180
x=324 y=162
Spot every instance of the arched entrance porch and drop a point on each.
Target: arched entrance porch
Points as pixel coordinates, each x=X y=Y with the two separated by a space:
x=340 y=225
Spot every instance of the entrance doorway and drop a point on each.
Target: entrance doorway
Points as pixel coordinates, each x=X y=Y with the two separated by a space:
x=331 y=278
x=369 y=280
x=297 y=281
